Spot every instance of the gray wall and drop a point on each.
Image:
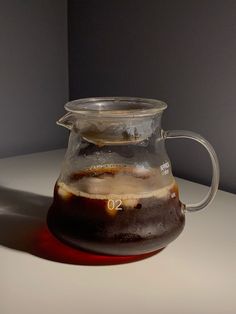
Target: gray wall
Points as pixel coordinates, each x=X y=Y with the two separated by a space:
x=182 y=52
x=33 y=75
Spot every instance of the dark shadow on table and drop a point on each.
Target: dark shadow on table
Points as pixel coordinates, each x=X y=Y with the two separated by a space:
x=23 y=227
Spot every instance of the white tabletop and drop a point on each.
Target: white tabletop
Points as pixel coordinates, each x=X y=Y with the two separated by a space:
x=195 y=274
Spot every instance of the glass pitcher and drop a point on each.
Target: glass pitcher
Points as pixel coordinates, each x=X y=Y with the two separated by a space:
x=116 y=194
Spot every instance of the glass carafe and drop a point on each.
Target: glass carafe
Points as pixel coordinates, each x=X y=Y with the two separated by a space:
x=116 y=194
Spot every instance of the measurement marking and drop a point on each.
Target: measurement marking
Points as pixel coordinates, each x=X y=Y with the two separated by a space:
x=114 y=204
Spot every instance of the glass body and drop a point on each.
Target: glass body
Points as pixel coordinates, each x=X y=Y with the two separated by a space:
x=116 y=194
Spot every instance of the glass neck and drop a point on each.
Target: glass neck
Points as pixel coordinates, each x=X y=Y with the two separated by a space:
x=113 y=131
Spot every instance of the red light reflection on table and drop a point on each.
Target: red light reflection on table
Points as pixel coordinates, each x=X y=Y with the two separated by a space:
x=45 y=245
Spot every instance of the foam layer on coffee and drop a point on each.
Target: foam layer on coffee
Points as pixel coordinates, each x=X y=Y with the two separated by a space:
x=124 y=185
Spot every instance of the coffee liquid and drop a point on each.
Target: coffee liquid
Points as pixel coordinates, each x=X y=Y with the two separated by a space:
x=117 y=210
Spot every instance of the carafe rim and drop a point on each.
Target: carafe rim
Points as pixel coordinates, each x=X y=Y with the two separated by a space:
x=115 y=106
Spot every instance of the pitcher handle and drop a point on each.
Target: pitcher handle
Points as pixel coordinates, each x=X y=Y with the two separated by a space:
x=214 y=161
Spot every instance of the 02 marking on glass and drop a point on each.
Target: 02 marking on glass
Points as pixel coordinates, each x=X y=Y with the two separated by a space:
x=114 y=204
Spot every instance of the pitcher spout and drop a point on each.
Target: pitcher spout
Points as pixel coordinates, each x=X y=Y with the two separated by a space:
x=67 y=121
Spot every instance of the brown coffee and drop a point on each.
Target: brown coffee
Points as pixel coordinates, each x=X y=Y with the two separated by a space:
x=117 y=210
